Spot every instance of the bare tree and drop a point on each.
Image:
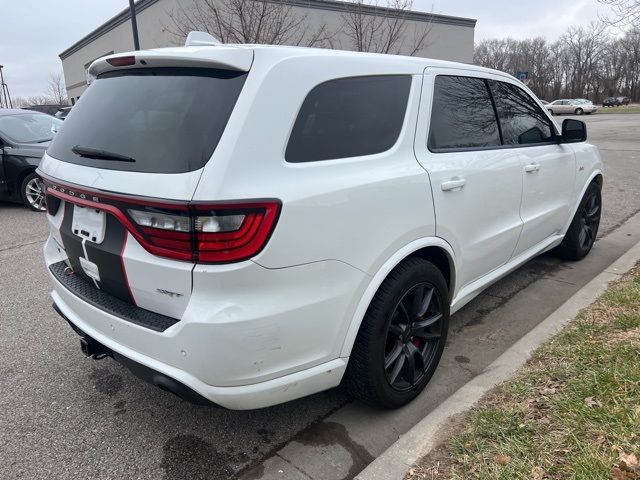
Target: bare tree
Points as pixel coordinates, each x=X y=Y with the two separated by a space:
x=19 y=102
x=585 y=62
x=501 y=54
x=630 y=45
x=274 y=22
x=585 y=48
x=56 y=88
x=627 y=12
x=372 y=28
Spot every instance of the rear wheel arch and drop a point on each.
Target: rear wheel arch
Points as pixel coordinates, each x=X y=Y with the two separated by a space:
x=441 y=259
x=439 y=253
x=401 y=337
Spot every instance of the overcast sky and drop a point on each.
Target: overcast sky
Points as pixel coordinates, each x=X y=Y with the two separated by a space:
x=35 y=32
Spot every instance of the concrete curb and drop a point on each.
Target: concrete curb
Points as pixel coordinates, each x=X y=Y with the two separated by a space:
x=424 y=436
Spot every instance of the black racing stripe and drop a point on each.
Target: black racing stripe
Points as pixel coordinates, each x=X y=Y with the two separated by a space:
x=72 y=243
x=106 y=255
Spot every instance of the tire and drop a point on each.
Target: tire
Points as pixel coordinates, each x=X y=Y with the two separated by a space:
x=582 y=232
x=394 y=358
x=579 y=111
x=31 y=191
x=550 y=112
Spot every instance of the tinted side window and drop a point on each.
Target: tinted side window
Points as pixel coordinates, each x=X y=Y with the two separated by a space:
x=521 y=120
x=349 y=117
x=462 y=115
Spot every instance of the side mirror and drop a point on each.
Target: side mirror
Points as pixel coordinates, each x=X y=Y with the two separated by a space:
x=573 y=131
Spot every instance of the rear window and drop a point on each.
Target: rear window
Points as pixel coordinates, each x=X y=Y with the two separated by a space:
x=349 y=117
x=163 y=120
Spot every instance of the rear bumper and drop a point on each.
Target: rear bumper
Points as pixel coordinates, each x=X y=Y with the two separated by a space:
x=92 y=348
x=186 y=386
x=250 y=337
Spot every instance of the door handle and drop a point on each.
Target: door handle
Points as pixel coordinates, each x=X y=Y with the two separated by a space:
x=456 y=183
x=532 y=168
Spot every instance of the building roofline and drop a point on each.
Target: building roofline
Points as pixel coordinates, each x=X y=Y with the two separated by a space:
x=331 y=5
x=106 y=27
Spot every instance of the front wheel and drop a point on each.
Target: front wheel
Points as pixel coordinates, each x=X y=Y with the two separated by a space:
x=580 y=237
x=402 y=336
x=579 y=111
x=32 y=192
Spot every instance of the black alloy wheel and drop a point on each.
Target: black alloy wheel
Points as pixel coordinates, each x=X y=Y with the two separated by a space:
x=589 y=221
x=402 y=336
x=582 y=232
x=412 y=338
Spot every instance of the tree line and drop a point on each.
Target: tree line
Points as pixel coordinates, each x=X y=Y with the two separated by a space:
x=585 y=62
x=54 y=94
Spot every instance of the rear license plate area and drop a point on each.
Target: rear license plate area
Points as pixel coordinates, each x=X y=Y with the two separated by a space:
x=89 y=223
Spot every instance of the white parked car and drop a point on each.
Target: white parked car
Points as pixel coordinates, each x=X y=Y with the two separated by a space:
x=571 y=107
x=245 y=225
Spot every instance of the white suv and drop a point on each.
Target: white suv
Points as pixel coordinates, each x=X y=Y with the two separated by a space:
x=245 y=225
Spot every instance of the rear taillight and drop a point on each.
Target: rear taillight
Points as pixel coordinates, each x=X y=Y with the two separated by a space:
x=207 y=233
x=201 y=233
x=232 y=232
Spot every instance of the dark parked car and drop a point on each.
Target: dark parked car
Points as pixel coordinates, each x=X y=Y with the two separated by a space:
x=624 y=100
x=611 y=102
x=50 y=109
x=24 y=136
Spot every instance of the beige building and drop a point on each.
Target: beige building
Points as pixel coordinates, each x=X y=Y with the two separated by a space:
x=448 y=38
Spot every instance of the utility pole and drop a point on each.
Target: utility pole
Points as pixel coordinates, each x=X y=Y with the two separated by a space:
x=5 y=98
x=134 y=25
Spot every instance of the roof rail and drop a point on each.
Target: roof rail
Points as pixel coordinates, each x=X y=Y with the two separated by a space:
x=198 y=39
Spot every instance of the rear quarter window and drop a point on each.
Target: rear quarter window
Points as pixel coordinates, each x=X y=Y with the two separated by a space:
x=349 y=117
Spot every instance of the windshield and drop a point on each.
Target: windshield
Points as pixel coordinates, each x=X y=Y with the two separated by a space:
x=162 y=120
x=29 y=127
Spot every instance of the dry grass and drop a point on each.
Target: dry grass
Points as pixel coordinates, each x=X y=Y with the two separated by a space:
x=572 y=412
x=619 y=110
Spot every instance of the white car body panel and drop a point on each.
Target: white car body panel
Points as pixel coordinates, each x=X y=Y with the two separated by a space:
x=179 y=186
x=548 y=182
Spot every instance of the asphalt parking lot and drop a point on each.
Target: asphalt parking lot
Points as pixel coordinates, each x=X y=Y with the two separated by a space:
x=64 y=416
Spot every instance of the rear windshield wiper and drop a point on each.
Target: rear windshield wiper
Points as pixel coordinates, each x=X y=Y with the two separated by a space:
x=100 y=154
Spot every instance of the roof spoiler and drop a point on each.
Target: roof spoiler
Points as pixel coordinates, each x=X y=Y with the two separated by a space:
x=199 y=39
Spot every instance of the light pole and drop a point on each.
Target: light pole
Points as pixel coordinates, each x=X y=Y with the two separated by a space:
x=134 y=26
x=5 y=98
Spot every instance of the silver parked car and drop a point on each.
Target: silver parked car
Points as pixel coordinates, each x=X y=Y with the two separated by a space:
x=575 y=107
